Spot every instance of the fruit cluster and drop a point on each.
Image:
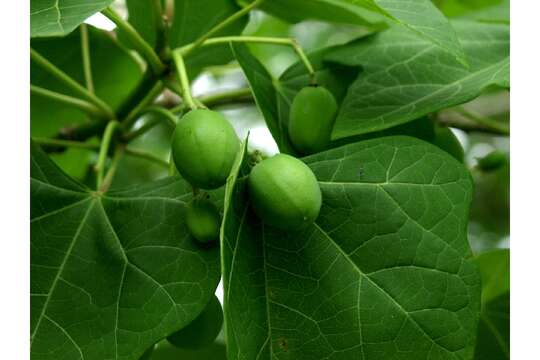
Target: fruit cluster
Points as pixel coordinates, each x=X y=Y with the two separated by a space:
x=283 y=190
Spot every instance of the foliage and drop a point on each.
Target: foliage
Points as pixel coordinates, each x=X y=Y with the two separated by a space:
x=395 y=266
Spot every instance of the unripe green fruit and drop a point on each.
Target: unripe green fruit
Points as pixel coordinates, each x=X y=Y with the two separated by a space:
x=203 y=220
x=493 y=161
x=204 y=148
x=446 y=140
x=203 y=330
x=311 y=119
x=148 y=353
x=284 y=192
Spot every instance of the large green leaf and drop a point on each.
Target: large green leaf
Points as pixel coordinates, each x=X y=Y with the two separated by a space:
x=421 y=17
x=111 y=274
x=494 y=330
x=327 y=10
x=115 y=74
x=60 y=17
x=405 y=77
x=194 y=18
x=384 y=273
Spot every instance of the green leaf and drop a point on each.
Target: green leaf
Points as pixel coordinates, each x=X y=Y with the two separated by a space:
x=494 y=329
x=115 y=75
x=264 y=92
x=60 y=17
x=481 y=10
x=421 y=17
x=405 y=77
x=111 y=274
x=384 y=273
x=194 y=18
x=337 y=11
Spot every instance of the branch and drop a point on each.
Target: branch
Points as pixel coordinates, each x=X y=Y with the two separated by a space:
x=146 y=101
x=460 y=118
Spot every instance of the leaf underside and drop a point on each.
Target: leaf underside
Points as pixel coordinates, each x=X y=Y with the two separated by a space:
x=60 y=17
x=384 y=273
x=111 y=274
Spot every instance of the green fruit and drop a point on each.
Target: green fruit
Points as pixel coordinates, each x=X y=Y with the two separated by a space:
x=446 y=140
x=284 y=192
x=493 y=161
x=312 y=115
x=203 y=330
x=148 y=353
x=204 y=148
x=203 y=220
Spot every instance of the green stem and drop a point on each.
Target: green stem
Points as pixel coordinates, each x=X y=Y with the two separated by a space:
x=144 y=155
x=104 y=149
x=64 y=143
x=166 y=115
x=146 y=101
x=137 y=40
x=66 y=99
x=255 y=39
x=485 y=121
x=223 y=98
x=184 y=80
x=239 y=14
x=107 y=181
x=72 y=84
x=87 y=65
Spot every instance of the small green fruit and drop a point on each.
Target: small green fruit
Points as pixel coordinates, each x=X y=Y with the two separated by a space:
x=312 y=115
x=284 y=192
x=203 y=330
x=204 y=148
x=148 y=353
x=203 y=220
x=446 y=140
x=493 y=161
